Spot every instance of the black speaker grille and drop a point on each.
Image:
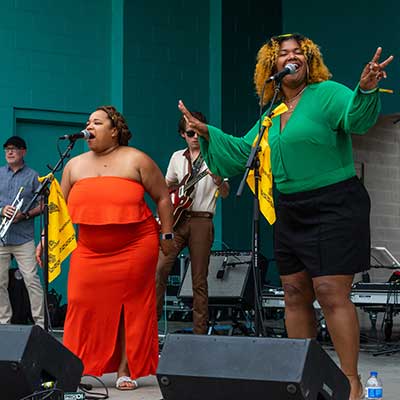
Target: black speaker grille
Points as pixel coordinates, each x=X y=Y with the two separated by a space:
x=229 y=278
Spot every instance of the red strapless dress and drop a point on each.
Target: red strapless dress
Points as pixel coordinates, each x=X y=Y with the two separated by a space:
x=112 y=271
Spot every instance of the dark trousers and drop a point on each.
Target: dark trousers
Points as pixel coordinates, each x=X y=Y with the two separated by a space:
x=197 y=233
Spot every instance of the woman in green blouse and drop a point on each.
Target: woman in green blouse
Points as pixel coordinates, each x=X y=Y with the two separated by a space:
x=322 y=233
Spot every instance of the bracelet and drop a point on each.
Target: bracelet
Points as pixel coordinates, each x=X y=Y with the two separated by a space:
x=368 y=91
x=223 y=181
x=167 y=236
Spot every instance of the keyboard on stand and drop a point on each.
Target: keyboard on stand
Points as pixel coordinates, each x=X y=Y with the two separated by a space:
x=375 y=293
x=362 y=294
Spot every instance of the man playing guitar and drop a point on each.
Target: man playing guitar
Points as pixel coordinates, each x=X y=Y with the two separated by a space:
x=194 y=191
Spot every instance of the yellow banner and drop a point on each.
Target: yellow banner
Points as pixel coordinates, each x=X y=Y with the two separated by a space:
x=61 y=231
x=265 y=195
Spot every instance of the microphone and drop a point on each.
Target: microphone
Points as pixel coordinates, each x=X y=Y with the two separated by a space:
x=288 y=70
x=85 y=134
x=221 y=271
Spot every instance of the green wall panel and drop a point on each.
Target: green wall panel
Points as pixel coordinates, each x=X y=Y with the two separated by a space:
x=55 y=56
x=245 y=27
x=55 y=69
x=166 y=58
x=349 y=34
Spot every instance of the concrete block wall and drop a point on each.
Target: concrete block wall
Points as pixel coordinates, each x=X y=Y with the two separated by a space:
x=379 y=151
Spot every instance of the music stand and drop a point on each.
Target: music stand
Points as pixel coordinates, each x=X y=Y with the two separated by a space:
x=384 y=258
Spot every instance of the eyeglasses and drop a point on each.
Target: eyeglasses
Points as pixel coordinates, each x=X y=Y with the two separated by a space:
x=190 y=133
x=10 y=149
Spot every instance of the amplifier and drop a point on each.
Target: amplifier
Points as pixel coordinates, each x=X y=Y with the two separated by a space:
x=230 y=278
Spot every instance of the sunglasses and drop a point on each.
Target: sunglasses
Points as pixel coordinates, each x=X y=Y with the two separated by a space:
x=190 y=133
x=286 y=36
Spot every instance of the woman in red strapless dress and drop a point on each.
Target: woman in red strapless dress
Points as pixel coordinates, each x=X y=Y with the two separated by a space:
x=111 y=319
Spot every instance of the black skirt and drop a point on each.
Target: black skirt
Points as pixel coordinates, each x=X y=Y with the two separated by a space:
x=325 y=231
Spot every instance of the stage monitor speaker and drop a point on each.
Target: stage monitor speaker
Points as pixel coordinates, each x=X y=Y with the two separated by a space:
x=29 y=356
x=198 y=367
x=230 y=278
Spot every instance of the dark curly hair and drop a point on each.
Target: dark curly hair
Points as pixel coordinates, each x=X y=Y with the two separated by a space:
x=268 y=55
x=182 y=122
x=118 y=121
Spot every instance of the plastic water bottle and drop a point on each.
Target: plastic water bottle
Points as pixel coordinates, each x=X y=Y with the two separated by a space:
x=373 y=387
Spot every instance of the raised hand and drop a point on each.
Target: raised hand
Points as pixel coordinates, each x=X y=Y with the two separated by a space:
x=193 y=123
x=374 y=71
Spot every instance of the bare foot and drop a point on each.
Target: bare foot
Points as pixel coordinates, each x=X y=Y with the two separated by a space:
x=356 y=387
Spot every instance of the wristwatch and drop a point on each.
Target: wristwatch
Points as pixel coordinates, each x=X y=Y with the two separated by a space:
x=166 y=236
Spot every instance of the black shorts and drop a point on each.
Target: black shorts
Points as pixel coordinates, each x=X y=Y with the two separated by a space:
x=324 y=231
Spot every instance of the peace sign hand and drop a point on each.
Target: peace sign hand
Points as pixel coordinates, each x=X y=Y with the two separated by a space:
x=374 y=71
x=193 y=123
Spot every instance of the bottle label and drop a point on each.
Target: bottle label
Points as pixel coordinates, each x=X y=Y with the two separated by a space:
x=374 y=392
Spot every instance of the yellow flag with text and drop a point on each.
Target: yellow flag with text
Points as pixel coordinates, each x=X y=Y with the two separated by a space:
x=265 y=195
x=61 y=231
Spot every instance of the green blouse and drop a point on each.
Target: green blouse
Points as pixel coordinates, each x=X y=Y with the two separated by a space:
x=313 y=150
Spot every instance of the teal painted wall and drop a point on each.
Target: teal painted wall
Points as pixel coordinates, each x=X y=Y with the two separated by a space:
x=55 y=56
x=55 y=68
x=245 y=27
x=349 y=34
x=167 y=56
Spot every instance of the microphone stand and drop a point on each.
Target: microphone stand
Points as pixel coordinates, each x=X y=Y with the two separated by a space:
x=253 y=162
x=44 y=191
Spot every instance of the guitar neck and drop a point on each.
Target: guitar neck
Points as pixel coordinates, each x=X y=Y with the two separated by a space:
x=195 y=179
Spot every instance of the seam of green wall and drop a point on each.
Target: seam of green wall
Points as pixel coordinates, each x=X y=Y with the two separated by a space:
x=117 y=54
x=54 y=116
x=215 y=90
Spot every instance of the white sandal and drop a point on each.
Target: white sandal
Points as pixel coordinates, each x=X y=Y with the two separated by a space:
x=119 y=384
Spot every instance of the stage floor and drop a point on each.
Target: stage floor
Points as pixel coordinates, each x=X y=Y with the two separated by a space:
x=386 y=365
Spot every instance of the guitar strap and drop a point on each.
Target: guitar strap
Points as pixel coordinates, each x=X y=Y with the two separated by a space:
x=197 y=165
x=194 y=168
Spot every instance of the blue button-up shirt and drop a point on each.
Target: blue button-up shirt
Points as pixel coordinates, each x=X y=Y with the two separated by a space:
x=10 y=183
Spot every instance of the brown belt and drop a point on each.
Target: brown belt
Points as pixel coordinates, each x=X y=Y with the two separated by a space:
x=199 y=214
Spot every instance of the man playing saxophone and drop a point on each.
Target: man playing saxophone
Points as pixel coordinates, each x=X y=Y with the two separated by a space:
x=18 y=182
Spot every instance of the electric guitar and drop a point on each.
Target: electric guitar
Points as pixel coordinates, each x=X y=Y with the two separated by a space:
x=180 y=194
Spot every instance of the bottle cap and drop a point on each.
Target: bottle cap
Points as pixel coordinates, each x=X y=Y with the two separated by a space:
x=374 y=373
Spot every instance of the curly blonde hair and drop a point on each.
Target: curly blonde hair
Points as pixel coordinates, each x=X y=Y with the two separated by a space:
x=118 y=121
x=268 y=55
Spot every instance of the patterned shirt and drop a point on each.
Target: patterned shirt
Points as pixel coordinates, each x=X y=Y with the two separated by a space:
x=10 y=183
